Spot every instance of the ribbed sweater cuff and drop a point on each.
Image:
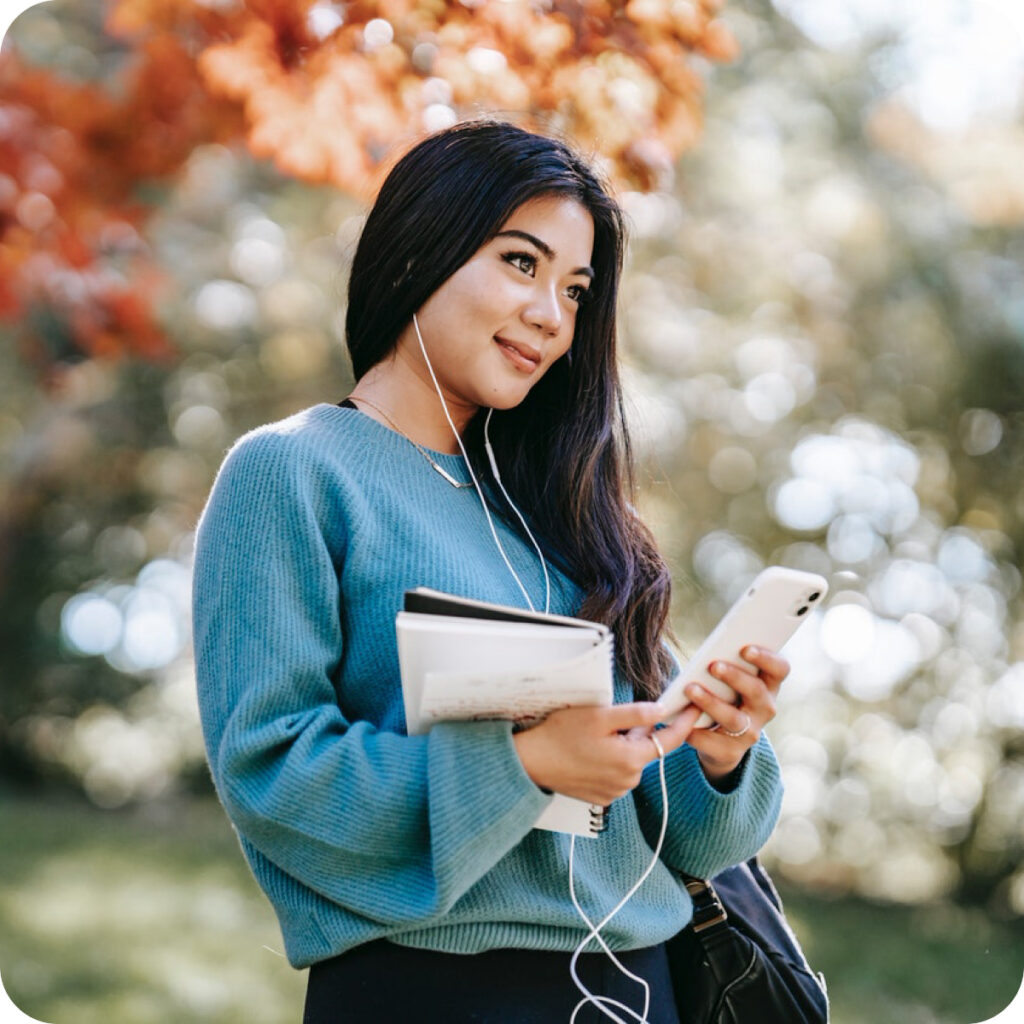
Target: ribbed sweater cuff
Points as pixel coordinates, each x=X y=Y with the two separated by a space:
x=489 y=803
x=731 y=825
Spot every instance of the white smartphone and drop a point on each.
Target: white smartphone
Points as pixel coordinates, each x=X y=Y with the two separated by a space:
x=768 y=613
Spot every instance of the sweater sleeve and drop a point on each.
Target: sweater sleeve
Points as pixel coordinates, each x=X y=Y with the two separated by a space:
x=394 y=828
x=709 y=830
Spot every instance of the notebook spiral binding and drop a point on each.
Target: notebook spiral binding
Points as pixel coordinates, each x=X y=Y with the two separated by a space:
x=599 y=819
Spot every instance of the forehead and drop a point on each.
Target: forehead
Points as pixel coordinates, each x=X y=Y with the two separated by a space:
x=561 y=223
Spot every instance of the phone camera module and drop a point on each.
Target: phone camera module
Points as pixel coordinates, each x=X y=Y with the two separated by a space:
x=802 y=610
x=815 y=596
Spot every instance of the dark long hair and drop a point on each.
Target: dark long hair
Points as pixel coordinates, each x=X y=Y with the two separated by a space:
x=564 y=451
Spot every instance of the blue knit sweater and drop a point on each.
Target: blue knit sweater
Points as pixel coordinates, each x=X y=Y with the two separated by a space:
x=315 y=527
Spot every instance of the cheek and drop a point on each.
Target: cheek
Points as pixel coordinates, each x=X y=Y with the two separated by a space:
x=556 y=353
x=467 y=299
x=571 y=322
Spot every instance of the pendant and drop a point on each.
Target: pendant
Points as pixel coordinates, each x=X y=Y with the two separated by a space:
x=449 y=477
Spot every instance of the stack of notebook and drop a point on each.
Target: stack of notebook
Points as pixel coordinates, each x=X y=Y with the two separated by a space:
x=469 y=660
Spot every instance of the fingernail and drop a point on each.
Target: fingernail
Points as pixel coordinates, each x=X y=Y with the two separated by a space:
x=752 y=652
x=716 y=668
x=695 y=689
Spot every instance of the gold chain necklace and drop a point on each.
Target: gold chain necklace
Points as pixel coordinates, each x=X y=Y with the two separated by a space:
x=423 y=451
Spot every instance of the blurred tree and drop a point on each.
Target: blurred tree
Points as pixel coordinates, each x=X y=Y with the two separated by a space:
x=76 y=276
x=330 y=93
x=823 y=328
x=826 y=332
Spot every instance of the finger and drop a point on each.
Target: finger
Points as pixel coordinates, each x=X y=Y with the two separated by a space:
x=773 y=667
x=728 y=715
x=720 y=751
x=623 y=717
x=678 y=731
x=749 y=688
x=723 y=749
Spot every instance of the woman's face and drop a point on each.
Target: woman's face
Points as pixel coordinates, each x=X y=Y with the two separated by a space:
x=498 y=323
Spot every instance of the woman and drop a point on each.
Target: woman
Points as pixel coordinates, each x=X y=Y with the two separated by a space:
x=405 y=870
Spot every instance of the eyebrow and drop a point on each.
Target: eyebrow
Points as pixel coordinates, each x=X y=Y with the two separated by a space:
x=544 y=248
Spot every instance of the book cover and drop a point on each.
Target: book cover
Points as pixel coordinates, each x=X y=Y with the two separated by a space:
x=468 y=660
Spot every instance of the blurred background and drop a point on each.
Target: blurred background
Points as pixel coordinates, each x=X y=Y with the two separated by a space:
x=823 y=332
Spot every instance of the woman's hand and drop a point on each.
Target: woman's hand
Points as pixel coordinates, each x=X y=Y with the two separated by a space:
x=721 y=747
x=598 y=754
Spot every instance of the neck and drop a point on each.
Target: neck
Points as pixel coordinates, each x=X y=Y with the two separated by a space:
x=406 y=392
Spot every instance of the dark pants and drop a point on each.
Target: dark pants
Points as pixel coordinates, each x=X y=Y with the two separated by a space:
x=382 y=982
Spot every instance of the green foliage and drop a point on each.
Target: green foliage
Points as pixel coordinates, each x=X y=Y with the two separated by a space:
x=825 y=342
x=824 y=333
x=149 y=916
x=933 y=964
x=106 y=917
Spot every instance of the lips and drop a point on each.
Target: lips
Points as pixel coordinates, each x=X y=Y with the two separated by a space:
x=526 y=357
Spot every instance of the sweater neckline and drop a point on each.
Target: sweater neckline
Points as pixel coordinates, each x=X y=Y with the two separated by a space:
x=453 y=463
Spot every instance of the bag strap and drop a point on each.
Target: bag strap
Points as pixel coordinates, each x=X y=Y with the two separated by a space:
x=708 y=910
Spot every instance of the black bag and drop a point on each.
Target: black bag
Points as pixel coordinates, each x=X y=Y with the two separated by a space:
x=738 y=961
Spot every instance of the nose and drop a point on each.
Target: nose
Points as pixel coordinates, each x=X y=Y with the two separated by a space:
x=544 y=312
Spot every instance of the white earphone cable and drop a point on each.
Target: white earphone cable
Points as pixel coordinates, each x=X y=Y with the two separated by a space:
x=595 y=929
x=497 y=477
x=483 y=503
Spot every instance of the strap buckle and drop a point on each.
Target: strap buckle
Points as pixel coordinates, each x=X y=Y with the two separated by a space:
x=707 y=907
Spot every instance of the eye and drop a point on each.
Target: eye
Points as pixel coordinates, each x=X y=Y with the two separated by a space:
x=524 y=261
x=579 y=293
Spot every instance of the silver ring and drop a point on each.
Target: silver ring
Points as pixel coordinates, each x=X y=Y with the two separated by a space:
x=746 y=727
x=657 y=746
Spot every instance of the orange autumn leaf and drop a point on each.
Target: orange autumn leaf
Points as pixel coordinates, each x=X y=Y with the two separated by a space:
x=71 y=159
x=331 y=94
x=505 y=55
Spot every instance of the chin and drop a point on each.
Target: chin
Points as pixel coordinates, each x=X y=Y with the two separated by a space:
x=503 y=404
x=503 y=400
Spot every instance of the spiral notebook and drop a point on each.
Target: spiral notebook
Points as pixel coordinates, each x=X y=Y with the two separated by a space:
x=469 y=660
